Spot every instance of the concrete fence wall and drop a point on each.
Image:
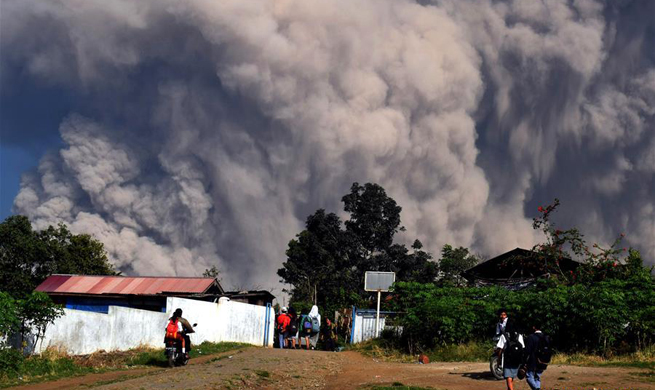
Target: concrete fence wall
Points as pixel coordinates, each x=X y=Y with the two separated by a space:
x=81 y=332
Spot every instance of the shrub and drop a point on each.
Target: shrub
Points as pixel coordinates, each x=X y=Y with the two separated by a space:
x=11 y=361
x=604 y=316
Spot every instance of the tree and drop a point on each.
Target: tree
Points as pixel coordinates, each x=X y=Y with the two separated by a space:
x=317 y=263
x=20 y=252
x=374 y=216
x=326 y=263
x=212 y=272
x=9 y=322
x=453 y=262
x=35 y=313
x=27 y=257
x=68 y=253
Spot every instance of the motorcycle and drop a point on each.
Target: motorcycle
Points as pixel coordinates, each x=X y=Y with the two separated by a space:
x=496 y=365
x=173 y=351
x=496 y=362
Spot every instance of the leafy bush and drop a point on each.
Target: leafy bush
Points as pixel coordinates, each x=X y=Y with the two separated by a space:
x=602 y=316
x=11 y=361
x=9 y=322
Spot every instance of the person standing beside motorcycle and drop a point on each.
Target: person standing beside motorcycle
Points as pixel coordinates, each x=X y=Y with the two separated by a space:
x=502 y=323
x=510 y=347
x=183 y=330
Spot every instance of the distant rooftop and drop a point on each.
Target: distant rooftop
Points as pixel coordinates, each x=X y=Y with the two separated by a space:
x=517 y=264
x=128 y=285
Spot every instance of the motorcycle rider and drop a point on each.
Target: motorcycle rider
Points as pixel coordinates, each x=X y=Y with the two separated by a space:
x=184 y=328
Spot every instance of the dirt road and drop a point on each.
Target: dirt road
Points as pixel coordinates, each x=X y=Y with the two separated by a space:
x=259 y=368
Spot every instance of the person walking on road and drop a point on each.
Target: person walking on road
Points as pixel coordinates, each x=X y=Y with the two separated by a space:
x=537 y=353
x=511 y=346
x=283 y=321
x=292 y=330
x=329 y=336
x=315 y=318
x=305 y=329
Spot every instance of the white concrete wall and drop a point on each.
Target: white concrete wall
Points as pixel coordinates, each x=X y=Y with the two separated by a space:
x=79 y=332
x=134 y=327
x=82 y=332
x=244 y=323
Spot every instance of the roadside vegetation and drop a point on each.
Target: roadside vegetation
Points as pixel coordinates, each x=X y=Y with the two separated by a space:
x=27 y=258
x=387 y=349
x=604 y=308
x=16 y=369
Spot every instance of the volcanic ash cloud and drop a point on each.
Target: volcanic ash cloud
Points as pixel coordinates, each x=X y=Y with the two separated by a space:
x=203 y=133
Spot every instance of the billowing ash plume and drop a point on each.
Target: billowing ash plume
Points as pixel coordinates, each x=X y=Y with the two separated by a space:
x=203 y=133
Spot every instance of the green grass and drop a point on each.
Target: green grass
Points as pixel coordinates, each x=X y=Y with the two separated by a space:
x=648 y=377
x=470 y=352
x=50 y=365
x=121 y=378
x=479 y=352
x=644 y=359
x=263 y=373
x=33 y=369
x=156 y=357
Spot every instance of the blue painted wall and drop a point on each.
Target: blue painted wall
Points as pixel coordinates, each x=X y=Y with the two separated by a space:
x=101 y=305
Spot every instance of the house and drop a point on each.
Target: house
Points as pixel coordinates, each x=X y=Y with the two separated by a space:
x=253 y=297
x=97 y=293
x=516 y=269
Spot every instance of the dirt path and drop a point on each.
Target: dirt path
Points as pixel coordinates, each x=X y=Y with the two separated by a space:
x=259 y=368
x=362 y=371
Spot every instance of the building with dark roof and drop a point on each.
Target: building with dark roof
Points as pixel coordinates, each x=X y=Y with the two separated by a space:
x=253 y=297
x=516 y=269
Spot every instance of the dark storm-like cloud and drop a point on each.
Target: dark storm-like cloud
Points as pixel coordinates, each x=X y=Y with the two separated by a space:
x=203 y=133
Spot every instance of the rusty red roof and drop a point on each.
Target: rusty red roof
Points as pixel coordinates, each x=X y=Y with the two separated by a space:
x=124 y=285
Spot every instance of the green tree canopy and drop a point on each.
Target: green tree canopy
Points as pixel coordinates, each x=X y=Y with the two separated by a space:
x=374 y=216
x=27 y=257
x=317 y=263
x=326 y=263
x=453 y=262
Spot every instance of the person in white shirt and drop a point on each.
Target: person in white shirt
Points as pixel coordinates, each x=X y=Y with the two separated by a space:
x=313 y=339
x=502 y=323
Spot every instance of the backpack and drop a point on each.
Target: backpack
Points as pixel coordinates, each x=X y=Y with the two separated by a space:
x=513 y=351
x=306 y=323
x=316 y=325
x=172 y=328
x=543 y=352
x=281 y=319
x=293 y=326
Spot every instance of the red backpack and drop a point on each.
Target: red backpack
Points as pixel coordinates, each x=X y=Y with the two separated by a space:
x=172 y=329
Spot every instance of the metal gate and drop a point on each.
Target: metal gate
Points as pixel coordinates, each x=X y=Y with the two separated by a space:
x=363 y=326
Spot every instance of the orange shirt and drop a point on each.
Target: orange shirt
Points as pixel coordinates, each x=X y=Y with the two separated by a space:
x=283 y=321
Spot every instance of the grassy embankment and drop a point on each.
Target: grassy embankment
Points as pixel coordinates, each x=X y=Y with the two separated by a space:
x=480 y=352
x=52 y=365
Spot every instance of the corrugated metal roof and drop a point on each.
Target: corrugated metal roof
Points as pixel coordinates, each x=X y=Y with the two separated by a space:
x=123 y=285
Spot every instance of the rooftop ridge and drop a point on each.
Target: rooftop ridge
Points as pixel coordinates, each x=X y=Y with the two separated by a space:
x=135 y=276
